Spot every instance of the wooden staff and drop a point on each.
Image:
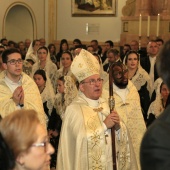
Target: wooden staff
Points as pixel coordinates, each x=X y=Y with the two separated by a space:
x=112 y=105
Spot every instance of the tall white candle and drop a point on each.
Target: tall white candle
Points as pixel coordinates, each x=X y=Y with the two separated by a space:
x=158 y=24
x=140 y=25
x=148 y=28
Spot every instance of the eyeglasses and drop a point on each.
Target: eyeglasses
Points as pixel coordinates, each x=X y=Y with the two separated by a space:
x=13 y=62
x=42 y=144
x=93 y=81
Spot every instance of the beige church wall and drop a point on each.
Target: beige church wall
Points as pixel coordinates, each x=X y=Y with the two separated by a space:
x=15 y=26
x=75 y=27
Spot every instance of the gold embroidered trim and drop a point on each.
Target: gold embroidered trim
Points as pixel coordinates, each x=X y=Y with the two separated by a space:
x=98 y=109
x=95 y=139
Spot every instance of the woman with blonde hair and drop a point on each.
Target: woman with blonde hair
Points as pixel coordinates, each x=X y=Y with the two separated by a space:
x=24 y=142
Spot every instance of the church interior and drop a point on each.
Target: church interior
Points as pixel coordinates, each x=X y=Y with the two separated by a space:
x=124 y=36
x=56 y=20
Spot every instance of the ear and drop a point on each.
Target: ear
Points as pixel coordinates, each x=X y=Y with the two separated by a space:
x=20 y=159
x=4 y=65
x=81 y=87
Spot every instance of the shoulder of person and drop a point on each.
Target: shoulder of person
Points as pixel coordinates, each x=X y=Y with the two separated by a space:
x=143 y=73
x=28 y=82
x=2 y=75
x=73 y=112
x=131 y=87
x=165 y=116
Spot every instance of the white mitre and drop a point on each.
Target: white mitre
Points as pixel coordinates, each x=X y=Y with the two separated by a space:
x=85 y=65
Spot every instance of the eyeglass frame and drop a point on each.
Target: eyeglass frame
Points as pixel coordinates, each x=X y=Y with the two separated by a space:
x=19 y=61
x=42 y=144
x=93 y=81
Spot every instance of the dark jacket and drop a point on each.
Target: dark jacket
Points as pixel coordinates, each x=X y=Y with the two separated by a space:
x=145 y=63
x=155 y=146
x=106 y=66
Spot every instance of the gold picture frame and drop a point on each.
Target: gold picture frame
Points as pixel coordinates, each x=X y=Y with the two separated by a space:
x=93 y=7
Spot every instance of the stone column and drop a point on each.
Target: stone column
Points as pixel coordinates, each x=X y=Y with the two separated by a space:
x=52 y=23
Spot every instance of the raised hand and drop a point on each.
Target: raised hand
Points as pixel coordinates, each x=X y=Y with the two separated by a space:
x=18 y=96
x=112 y=119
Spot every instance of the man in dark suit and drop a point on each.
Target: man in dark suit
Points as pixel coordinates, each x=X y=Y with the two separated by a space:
x=126 y=48
x=149 y=62
x=108 y=45
x=112 y=56
x=134 y=45
x=155 y=147
x=96 y=47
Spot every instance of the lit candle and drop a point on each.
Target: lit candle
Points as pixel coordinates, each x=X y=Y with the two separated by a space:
x=158 y=23
x=148 y=28
x=140 y=24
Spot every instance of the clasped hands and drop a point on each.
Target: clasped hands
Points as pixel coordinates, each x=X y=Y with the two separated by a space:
x=112 y=119
x=18 y=96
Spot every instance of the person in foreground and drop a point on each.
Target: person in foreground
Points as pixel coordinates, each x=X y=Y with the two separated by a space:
x=85 y=139
x=155 y=147
x=127 y=105
x=18 y=90
x=24 y=142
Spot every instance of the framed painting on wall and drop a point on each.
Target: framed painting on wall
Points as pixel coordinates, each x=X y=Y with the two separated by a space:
x=93 y=7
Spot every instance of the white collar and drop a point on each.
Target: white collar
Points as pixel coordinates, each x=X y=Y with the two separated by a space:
x=92 y=103
x=11 y=82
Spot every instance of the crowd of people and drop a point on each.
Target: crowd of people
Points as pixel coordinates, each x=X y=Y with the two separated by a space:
x=66 y=92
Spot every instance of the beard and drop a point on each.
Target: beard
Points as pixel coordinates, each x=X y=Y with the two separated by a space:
x=121 y=85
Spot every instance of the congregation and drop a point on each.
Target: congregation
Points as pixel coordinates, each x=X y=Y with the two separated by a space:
x=34 y=75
